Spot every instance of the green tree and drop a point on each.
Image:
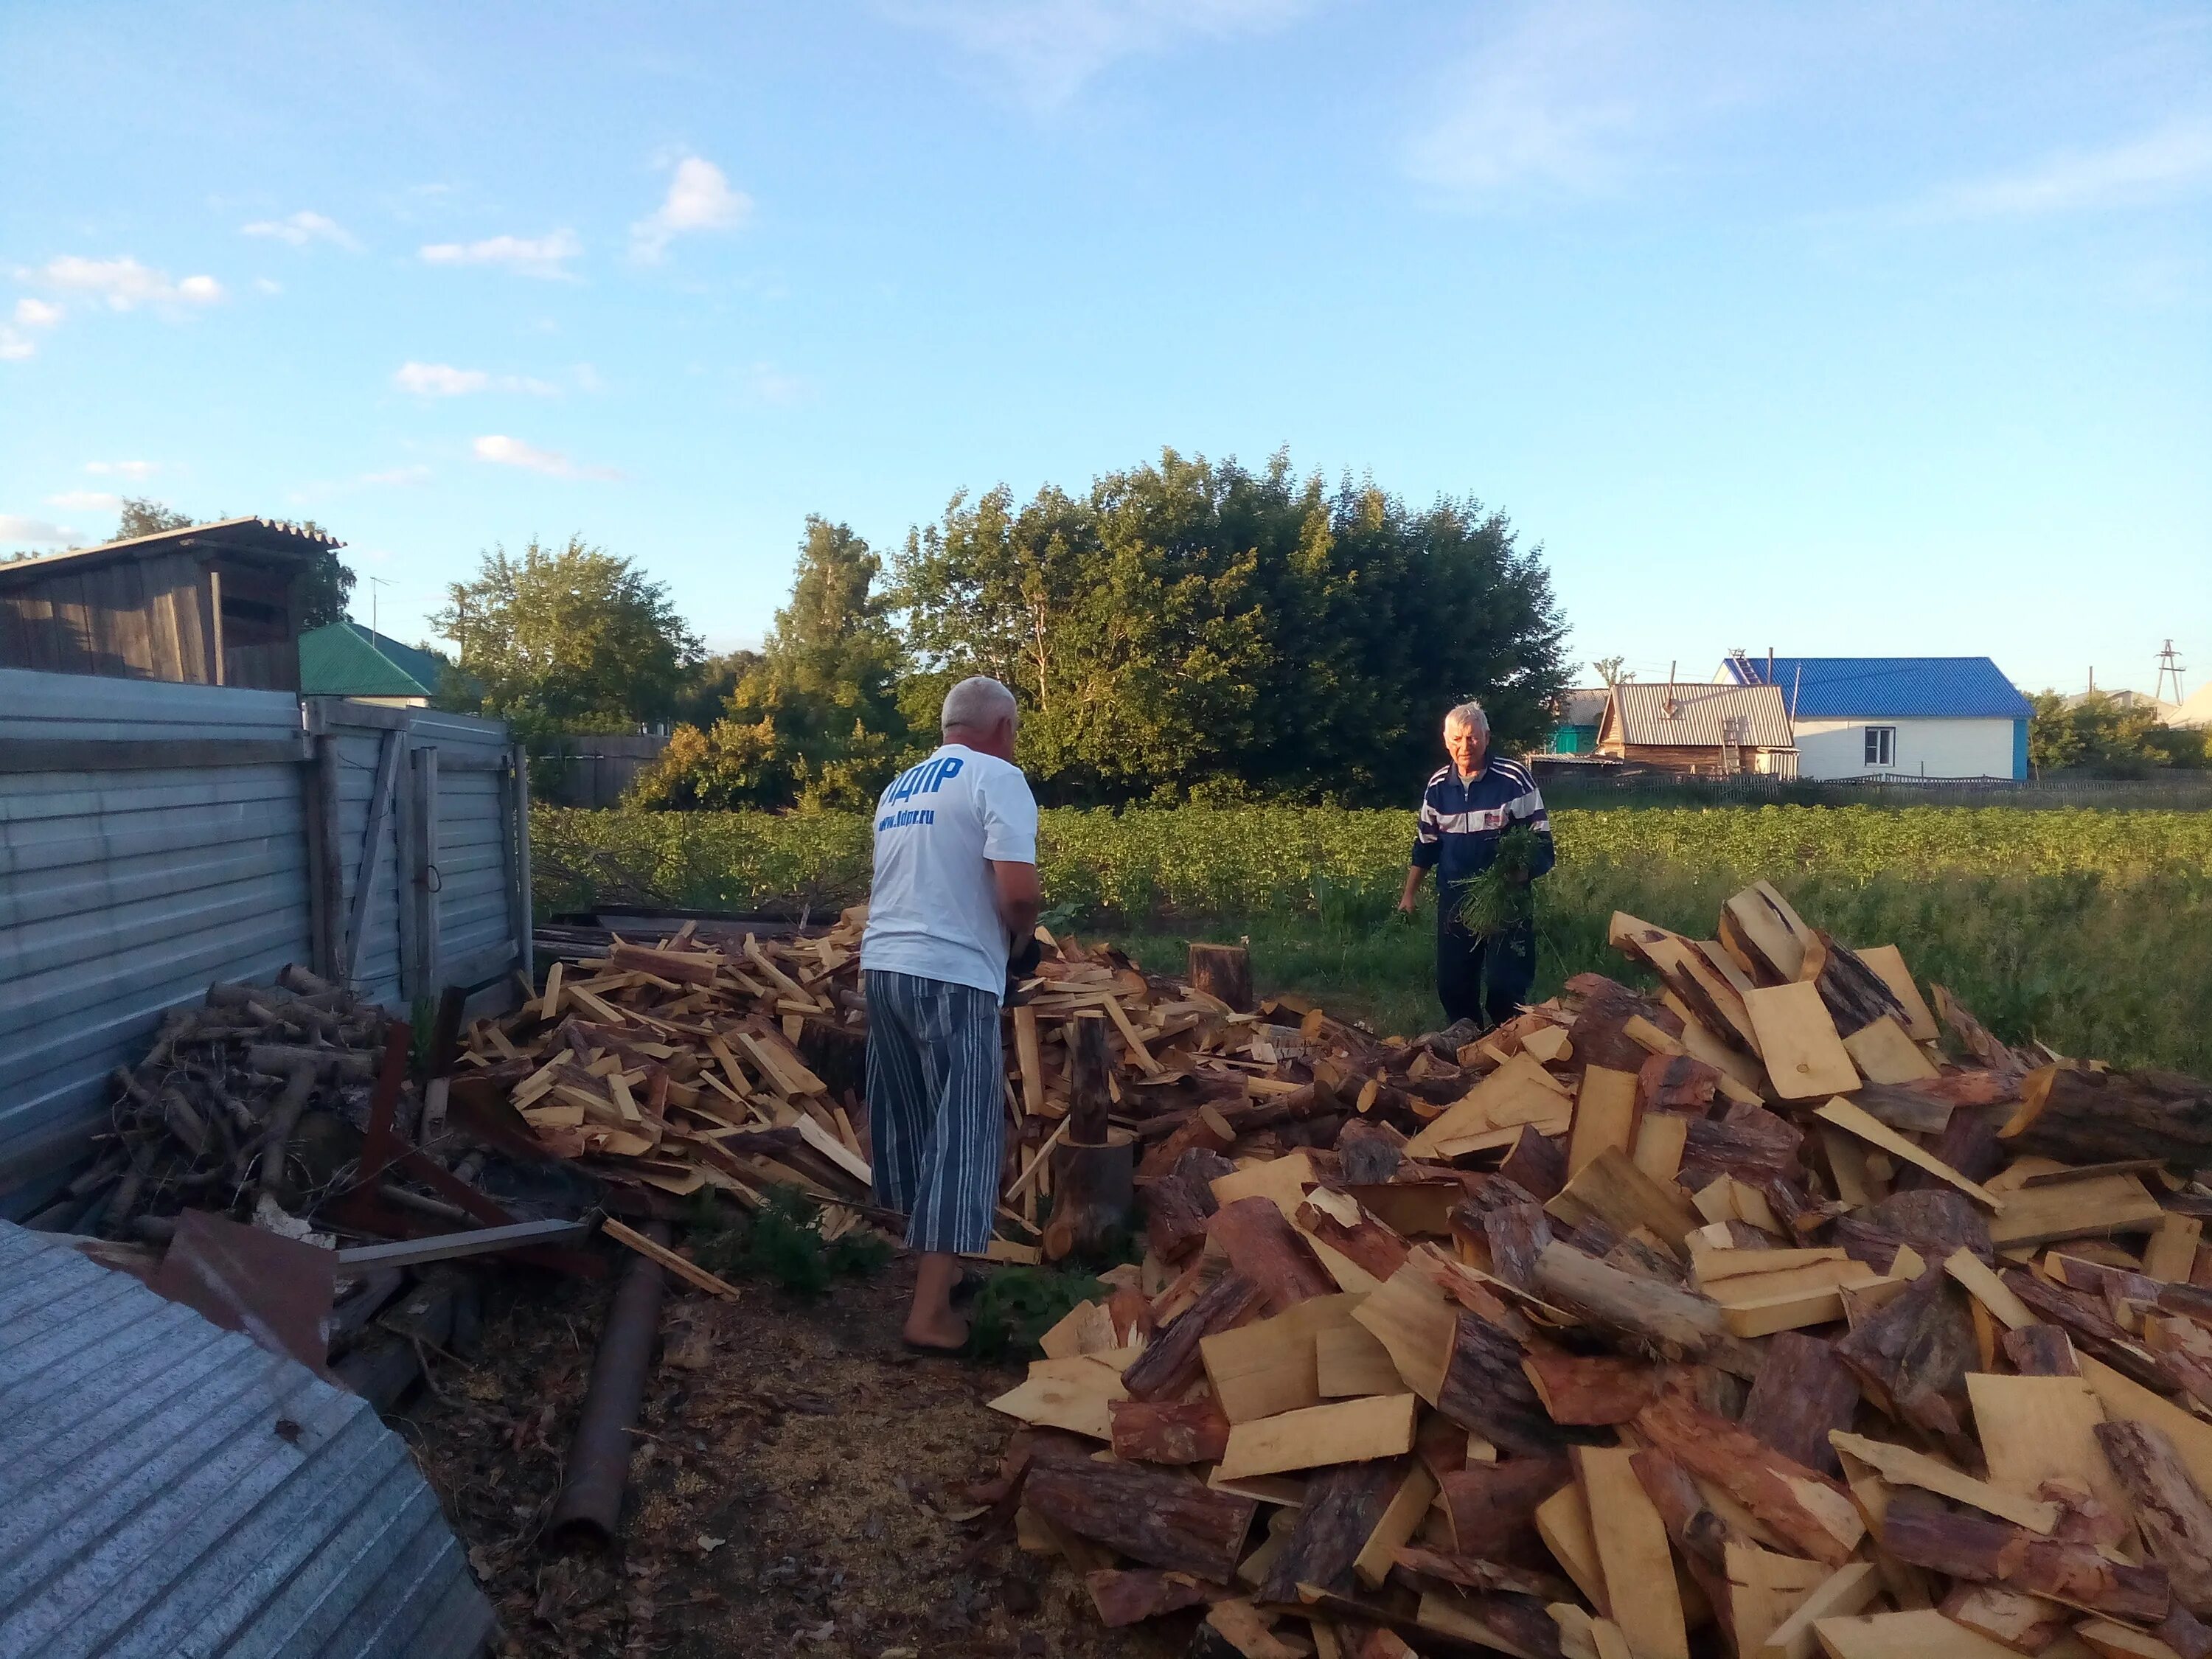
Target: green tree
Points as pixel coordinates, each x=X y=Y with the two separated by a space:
x=143 y=517
x=1193 y=629
x=2098 y=734
x=1612 y=671
x=566 y=639
x=815 y=721
x=708 y=692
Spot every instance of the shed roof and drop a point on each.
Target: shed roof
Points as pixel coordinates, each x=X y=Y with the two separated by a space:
x=1686 y=715
x=166 y=1487
x=348 y=660
x=272 y=539
x=1843 y=687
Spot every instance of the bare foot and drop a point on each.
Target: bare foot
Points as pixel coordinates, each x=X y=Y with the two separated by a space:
x=948 y=1333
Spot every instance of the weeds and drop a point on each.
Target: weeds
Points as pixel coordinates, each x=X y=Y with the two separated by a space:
x=782 y=1244
x=1018 y=1306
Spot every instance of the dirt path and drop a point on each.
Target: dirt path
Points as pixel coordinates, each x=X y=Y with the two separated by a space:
x=798 y=1490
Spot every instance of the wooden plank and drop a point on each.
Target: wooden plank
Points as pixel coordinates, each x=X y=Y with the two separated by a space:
x=1922 y=1633
x=1804 y=1056
x=449 y=1247
x=1981 y=1282
x=1348 y=1361
x=1612 y=1188
x=1633 y=1552
x=1605 y=1116
x=2096 y=1208
x=697 y=1277
x=1659 y=1142
x=2126 y=1401
x=1888 y=964
x=1884 y=1053
x=1872 y=1130
x=1764 y=1589
x=146 y=754
x=2034 y=1428
x=1411 y=1320
x=1844 y=1592
x=1269 y=1367
x=2172 y=1253
x=1563 y=1521
x=1077 y=1394
x=2170 y=1508
x=1030 y=1059
x=1400 y=1517
x=1349 y=1432
x=366 y=867
x=1904 y=1466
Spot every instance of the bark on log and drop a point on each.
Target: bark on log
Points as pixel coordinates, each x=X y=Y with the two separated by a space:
x=1342 y=1506
x=1163 y=1520
x=1484 y=1389
x=1170 y=1362
x=1264 y=1248
x=1663 y=1322
x=1169 y=1432
x=2091 y=1325
x=1674 y=1082
x=1517 y=1235
x=1813 y=1513
x=1750 y=1143
x=1968 y=1144
x=1975 y=1037
x=283 y=1120
x=1801 y=1392
x=1205 y=1129
x=1093 y=1196
x=1090 y=1071
x=1913 y=1353
x=1365 y=1242
x=2041 y=1351
x=1370 y=1153
x=1128 y=1596
x=1474 y=1572
x=2095 y=1117
x=1490 y=1506
x=2170 y=1508
x=1854 y=995
x=1590 y=1390
x=1917 y=1529
x=277 y=1059
x=1537 y=1163
x=1178 y=1207
x=1224 y=972
x=1934 y=1222
x=1599 y=1033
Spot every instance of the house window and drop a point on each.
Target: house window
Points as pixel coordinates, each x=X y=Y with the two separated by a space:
x=1881 y=745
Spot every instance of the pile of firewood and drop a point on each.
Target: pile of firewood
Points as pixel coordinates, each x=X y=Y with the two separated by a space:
x=206 y=1120
x=1739 y=1317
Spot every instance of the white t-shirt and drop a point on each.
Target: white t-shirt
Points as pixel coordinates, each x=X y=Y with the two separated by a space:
x=935 y=910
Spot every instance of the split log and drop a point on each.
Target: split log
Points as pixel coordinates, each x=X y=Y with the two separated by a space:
x=1474 y=1573
x=1093 y=1196
x=1342 y=1506
x=1664 y=1323
x=1801 y=1392
x=1179 y=1205
x=1856 y=995
x=2170 y=1509
x=1224 y=972
x=1934 y=1222
x=1369 y=1153
x=1168 y=1431
x=2090 y=1324
x=1590 y=1390
x=1815 y=1514
x=1918 y=1529
x=1204 y=1128
x=1537 y=1164
x=1485 y=1390
x=1968 y=1143
x=1170 y=1362
x=1517 y=1235
x=1749 y=1143
x=1974 y=1037
x=1264 y=1248
x=1337 y=1221
x=1599 y=1033
x=1163 y=1520
x=2095 y=1117
x=1675 y=1082
x=283 y=1120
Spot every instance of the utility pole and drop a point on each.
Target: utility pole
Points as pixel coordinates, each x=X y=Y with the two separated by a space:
x=2167 y=664
x=375 y=582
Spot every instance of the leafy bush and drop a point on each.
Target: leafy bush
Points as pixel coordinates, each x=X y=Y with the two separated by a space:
x=783 y=1244
x=1018 y=1306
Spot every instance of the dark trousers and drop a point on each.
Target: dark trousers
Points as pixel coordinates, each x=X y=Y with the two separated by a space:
x=1506 y=960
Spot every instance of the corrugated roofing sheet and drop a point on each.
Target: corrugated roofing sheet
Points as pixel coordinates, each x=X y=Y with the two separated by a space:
x=1890 y=687
x=168 y=1488
x=272 y=536
x=347 y=660
x=1686 y=714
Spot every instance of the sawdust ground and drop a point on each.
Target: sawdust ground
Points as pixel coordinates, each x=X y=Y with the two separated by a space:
x=800 y=1488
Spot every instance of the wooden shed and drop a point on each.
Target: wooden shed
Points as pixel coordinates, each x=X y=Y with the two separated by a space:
x=213 y=604
x=1713 y=731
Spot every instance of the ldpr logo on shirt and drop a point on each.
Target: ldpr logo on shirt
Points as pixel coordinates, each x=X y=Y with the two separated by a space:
x=926 y=779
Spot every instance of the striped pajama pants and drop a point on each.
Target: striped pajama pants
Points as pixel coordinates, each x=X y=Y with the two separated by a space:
x=935 y=1077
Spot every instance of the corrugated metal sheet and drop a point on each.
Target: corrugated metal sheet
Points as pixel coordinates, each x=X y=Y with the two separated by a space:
x=168 y=1488
x=1887 y=688
x=1697 y=716
x=124 y=893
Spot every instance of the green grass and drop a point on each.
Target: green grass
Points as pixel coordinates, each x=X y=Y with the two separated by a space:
x=2090 y=930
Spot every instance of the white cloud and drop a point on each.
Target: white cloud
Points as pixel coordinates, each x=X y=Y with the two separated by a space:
x=1048 y=50
x=36 y=313
x=2166 y=163
x=444 y=381
x=528 y=256
x=513 y=452
x=86 y=500
x=14 y=347
x=122 y=469
x=699 y=199
x=38 y=532
x=303 y=228
x=123 y=283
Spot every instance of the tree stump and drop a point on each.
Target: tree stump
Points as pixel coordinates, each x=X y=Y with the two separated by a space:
x=1224 y=972
x=1094 y=1171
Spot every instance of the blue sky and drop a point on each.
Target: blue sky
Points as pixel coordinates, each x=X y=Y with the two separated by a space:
x=1873 y=328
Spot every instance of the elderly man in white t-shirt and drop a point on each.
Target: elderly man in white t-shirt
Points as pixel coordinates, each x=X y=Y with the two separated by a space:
x=956 y=888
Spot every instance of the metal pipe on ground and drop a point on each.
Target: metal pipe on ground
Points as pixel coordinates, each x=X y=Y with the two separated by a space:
x=590 y=1506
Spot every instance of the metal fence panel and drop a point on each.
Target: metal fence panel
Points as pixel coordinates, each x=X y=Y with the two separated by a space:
x=166 y=1487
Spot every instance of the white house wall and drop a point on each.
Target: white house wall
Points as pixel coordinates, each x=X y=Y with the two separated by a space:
x=1925 y=748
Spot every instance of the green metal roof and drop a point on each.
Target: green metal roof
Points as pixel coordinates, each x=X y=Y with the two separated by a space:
x=348 y=660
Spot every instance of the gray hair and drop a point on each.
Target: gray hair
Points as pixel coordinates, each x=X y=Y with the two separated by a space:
x=978 y=702
x=1469 y=715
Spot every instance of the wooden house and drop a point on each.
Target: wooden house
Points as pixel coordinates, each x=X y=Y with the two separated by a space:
x=213 y=604
x=1709 y=730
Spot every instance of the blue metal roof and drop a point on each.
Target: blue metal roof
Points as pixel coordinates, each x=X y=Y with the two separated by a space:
x=168 y=1488
x=1844 y=688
